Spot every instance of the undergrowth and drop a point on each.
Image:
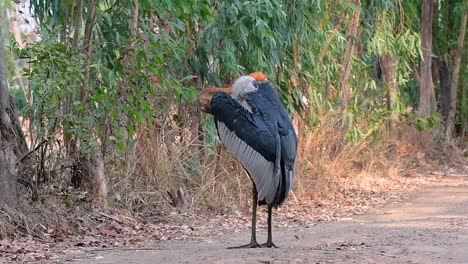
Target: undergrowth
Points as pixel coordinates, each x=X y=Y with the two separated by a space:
x=172 y=170
x=162 y=162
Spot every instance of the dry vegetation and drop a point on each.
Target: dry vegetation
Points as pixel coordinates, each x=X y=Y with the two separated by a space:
x=101 y=85
x=170 y=188
x=163 y=171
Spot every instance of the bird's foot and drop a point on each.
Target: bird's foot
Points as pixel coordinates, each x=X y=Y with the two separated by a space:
x=269 y=244
x=252 y=244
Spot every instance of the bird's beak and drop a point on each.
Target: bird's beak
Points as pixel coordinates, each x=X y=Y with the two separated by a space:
x=204 y=97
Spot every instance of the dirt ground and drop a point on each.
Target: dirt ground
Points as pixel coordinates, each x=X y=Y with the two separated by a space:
x=430 y=226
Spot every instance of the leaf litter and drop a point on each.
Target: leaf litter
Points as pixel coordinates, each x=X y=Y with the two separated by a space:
x=86 y=227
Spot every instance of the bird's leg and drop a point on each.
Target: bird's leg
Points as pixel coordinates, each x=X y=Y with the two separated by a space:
x=253 y=239
x=269 y=242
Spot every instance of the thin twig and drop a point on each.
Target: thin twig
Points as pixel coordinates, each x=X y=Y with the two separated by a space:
x=115 y=218
x=32 y=151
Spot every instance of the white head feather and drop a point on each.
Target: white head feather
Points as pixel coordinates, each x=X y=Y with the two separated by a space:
x=242 y=86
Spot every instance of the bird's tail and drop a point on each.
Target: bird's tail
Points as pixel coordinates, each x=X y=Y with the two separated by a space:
x=284 y=186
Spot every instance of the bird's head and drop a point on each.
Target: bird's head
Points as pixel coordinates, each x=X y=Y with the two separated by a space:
x=242 y=85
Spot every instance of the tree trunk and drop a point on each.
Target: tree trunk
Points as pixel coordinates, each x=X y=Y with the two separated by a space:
x=347 y=59
x=94 y=163
x=71 y=144
x=98 y=169
x=87 y=48
x=444 y=84
x=463 y=114
x=91 y=170
x=388 y=64
x=450 y=124
x=427 y=96
x=78 y=21
x=134 y=23
x=15 y=30
x=12 y=142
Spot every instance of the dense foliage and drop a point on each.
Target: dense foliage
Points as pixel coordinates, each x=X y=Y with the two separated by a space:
x=102 y=70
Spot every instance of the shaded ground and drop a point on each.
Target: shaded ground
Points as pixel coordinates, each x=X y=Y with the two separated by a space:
x=431 y=226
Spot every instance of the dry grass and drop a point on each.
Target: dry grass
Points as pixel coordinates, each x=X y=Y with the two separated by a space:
x=326 y=159
x=162 y=163
x=328 y=166
x=334 y=178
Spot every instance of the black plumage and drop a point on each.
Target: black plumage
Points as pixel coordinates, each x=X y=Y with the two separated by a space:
x=257 y=129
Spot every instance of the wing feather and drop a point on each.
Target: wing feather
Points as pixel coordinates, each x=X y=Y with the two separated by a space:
x=260 y=170
x=262 y=139
x=288 y=139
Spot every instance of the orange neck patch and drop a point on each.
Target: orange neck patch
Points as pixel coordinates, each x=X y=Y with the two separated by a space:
x=258 y=76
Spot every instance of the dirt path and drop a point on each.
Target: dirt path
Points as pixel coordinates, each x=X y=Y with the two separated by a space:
x=430 y=227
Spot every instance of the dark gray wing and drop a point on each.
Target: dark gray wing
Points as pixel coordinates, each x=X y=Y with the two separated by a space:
x=269 y=103
x=252 y=140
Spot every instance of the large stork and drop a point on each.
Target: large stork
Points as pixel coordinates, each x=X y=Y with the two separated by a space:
x=254 y=126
